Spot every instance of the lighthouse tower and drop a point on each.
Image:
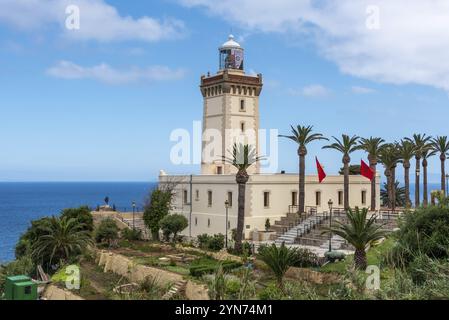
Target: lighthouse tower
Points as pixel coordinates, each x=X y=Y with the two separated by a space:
x=230 y=110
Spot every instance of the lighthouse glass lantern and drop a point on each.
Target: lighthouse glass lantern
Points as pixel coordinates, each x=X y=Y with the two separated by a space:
x=231 y=55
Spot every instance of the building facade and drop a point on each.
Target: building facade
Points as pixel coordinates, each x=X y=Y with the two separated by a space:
x=230 y=115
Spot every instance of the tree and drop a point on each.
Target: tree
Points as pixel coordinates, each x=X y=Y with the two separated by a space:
x=406 y=151
x=267 y=225
x=359 y=232
x=242 y=158
x=354 y=169
x=389 y=157
x=399 y=197
x=372 y=146
x=37 y=229
x=107 y=231
x=420 y=142
x=156 y=208
x=82 y=215
x=346 y=146
x=303 y=135
x=426 y=154
x=173 y=224
x=440 y=145
x=63 y=240
x=279 y=260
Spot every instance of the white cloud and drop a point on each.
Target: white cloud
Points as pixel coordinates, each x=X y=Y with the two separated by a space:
x=362 y=90
x=313 y=90
x=98 y=20
x=107 y=74
x=410 y=46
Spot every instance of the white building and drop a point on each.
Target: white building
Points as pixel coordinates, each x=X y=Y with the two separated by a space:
x=230 y=114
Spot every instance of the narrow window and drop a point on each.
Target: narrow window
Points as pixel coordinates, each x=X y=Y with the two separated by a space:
x=294 y=198
x=185 y=197
x=208 y=223
x=266 y=199
x=220 y=170
x=318 y=198
x=363 y=197
x=196 y=221
x=230 y=198
x=242 y=105
x=340 y=198
x=242 y=126
x=209 y=198
x=197 y=194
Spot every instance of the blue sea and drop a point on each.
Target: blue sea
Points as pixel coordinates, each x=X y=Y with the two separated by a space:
x=22 y=202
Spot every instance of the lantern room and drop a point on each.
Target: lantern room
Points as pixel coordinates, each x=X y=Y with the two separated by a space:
x=231 y=55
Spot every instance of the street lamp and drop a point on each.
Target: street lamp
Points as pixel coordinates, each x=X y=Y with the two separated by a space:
x=134 y=212
x=226 y=234
x=330 y=203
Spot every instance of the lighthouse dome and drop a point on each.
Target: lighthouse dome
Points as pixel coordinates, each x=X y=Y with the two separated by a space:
x=231 y=43
x=231 y=55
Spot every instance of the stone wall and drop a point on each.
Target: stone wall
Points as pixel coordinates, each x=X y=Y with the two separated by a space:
x=52 y=292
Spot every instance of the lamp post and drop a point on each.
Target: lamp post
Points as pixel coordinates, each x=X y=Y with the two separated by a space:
x=447 y=180
x=134 y=212
x=330 y=203
x=226 y=234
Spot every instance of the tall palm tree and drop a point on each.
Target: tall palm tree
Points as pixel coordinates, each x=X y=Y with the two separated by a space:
x=406 y=151
x=303 y=135
x=372 y=146
x=242 y=157
x=360 y=232
x=440 y=145
x=63 y=239
x=389 y=157
x=420 y=141
x=427 y=153
x=346 y=146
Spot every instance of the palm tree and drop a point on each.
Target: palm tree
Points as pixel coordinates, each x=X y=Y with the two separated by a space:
x=279 y=260
x=372 y=146
x=360 y=232
x=399 y=195
x=389 y=157
x=303 y=135
x=427 y=153
x=346 y=146
x=440 y=145
x=420 y=141
x=406 y=152
x=242 y=157
x=63 y=239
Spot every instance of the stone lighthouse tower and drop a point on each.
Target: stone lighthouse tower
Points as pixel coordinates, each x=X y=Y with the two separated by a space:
x=230 y=110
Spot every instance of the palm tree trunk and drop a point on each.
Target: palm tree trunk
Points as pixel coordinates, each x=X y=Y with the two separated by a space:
x=407 y=186
x=240 y=217
x=360 y=259
x=424 y=168
x=346 y=185
x=373 y=187
x=302 y=178
x=393 y=188
x=443 y=173
x=388 y=176
x=417 y=202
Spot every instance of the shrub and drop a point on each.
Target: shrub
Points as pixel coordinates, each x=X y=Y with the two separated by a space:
x=425 y=231
x=156 y=208
x=271 y=292
x=173 y=224
x=132 y=234
x=82 y=215
x=306 y=259
x=22 y=266
x=199 y=270
x=37 y=229
x=214 y=243
x=267 y=225
x=107 y=231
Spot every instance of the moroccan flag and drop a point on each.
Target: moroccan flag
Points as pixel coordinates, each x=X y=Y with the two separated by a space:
x=366 y=171
x=321 y=173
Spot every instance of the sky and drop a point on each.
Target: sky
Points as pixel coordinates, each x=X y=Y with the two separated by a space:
x=99 y=102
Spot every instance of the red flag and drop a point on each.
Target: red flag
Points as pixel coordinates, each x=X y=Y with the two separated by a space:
x=366 y=171
x=321 y=173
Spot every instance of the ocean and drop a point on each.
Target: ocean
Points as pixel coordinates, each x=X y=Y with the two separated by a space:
x=22 y=202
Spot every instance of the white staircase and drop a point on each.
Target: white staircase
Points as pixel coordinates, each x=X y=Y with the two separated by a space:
x=139 y=224
x=336 y=241
x=303 y=228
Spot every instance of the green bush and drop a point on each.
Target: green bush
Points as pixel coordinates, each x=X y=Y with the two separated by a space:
x=131 y=234
x=306 y=259
x=199 y=270
x=214 y=243
x=37 y=229
x=82 y=215
x=22 y=266
x=173 y=224
x=424 y=231
x=107 y=231
x=271 y=292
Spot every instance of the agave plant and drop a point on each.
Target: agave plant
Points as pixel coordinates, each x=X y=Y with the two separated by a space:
x=360 y=232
